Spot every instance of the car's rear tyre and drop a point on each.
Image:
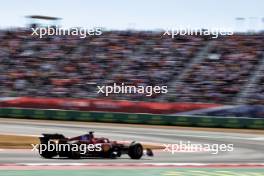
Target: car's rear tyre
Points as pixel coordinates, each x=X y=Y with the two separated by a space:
x=135 y=151
x=74 y=154
x=65 y=152
x=47 y=153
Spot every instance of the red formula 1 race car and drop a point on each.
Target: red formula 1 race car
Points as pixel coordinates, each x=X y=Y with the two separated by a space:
x=53 y=145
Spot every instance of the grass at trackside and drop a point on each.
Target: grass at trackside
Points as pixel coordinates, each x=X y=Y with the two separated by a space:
x=141 y=172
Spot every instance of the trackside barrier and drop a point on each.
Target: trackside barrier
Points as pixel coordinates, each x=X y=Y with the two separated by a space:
x=198 y=121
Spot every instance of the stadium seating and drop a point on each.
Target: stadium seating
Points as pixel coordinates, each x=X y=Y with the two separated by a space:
x=220 y=79
x=68 y=66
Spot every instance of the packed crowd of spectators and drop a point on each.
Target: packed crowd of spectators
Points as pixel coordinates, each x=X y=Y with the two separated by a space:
x=256 y=94
x=226 y=69
x=67 y=66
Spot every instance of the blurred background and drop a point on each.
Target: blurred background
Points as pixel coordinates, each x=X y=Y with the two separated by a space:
x=212 y=82
x=228 y=70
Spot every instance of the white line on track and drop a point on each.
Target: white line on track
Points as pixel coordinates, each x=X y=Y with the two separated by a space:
x=259 y=138
x=140 y=164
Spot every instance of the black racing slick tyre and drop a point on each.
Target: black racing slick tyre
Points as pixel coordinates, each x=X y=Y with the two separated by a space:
x=45 y=153
x=74 y=153
x=135 y=151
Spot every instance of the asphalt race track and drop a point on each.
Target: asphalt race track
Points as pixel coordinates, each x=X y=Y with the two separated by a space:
x=248 y=148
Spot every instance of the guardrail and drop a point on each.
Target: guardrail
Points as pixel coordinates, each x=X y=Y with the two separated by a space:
x=151 y=119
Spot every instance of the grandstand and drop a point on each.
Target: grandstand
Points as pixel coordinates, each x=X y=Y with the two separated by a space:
x=227 y=70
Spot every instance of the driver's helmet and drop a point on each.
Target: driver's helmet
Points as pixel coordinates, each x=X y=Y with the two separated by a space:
x=91 y=134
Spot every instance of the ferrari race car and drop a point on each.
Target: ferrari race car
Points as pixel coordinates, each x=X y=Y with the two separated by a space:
x=52 y=145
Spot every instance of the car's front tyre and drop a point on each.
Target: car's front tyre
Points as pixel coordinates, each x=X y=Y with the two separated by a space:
x=135 y=151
